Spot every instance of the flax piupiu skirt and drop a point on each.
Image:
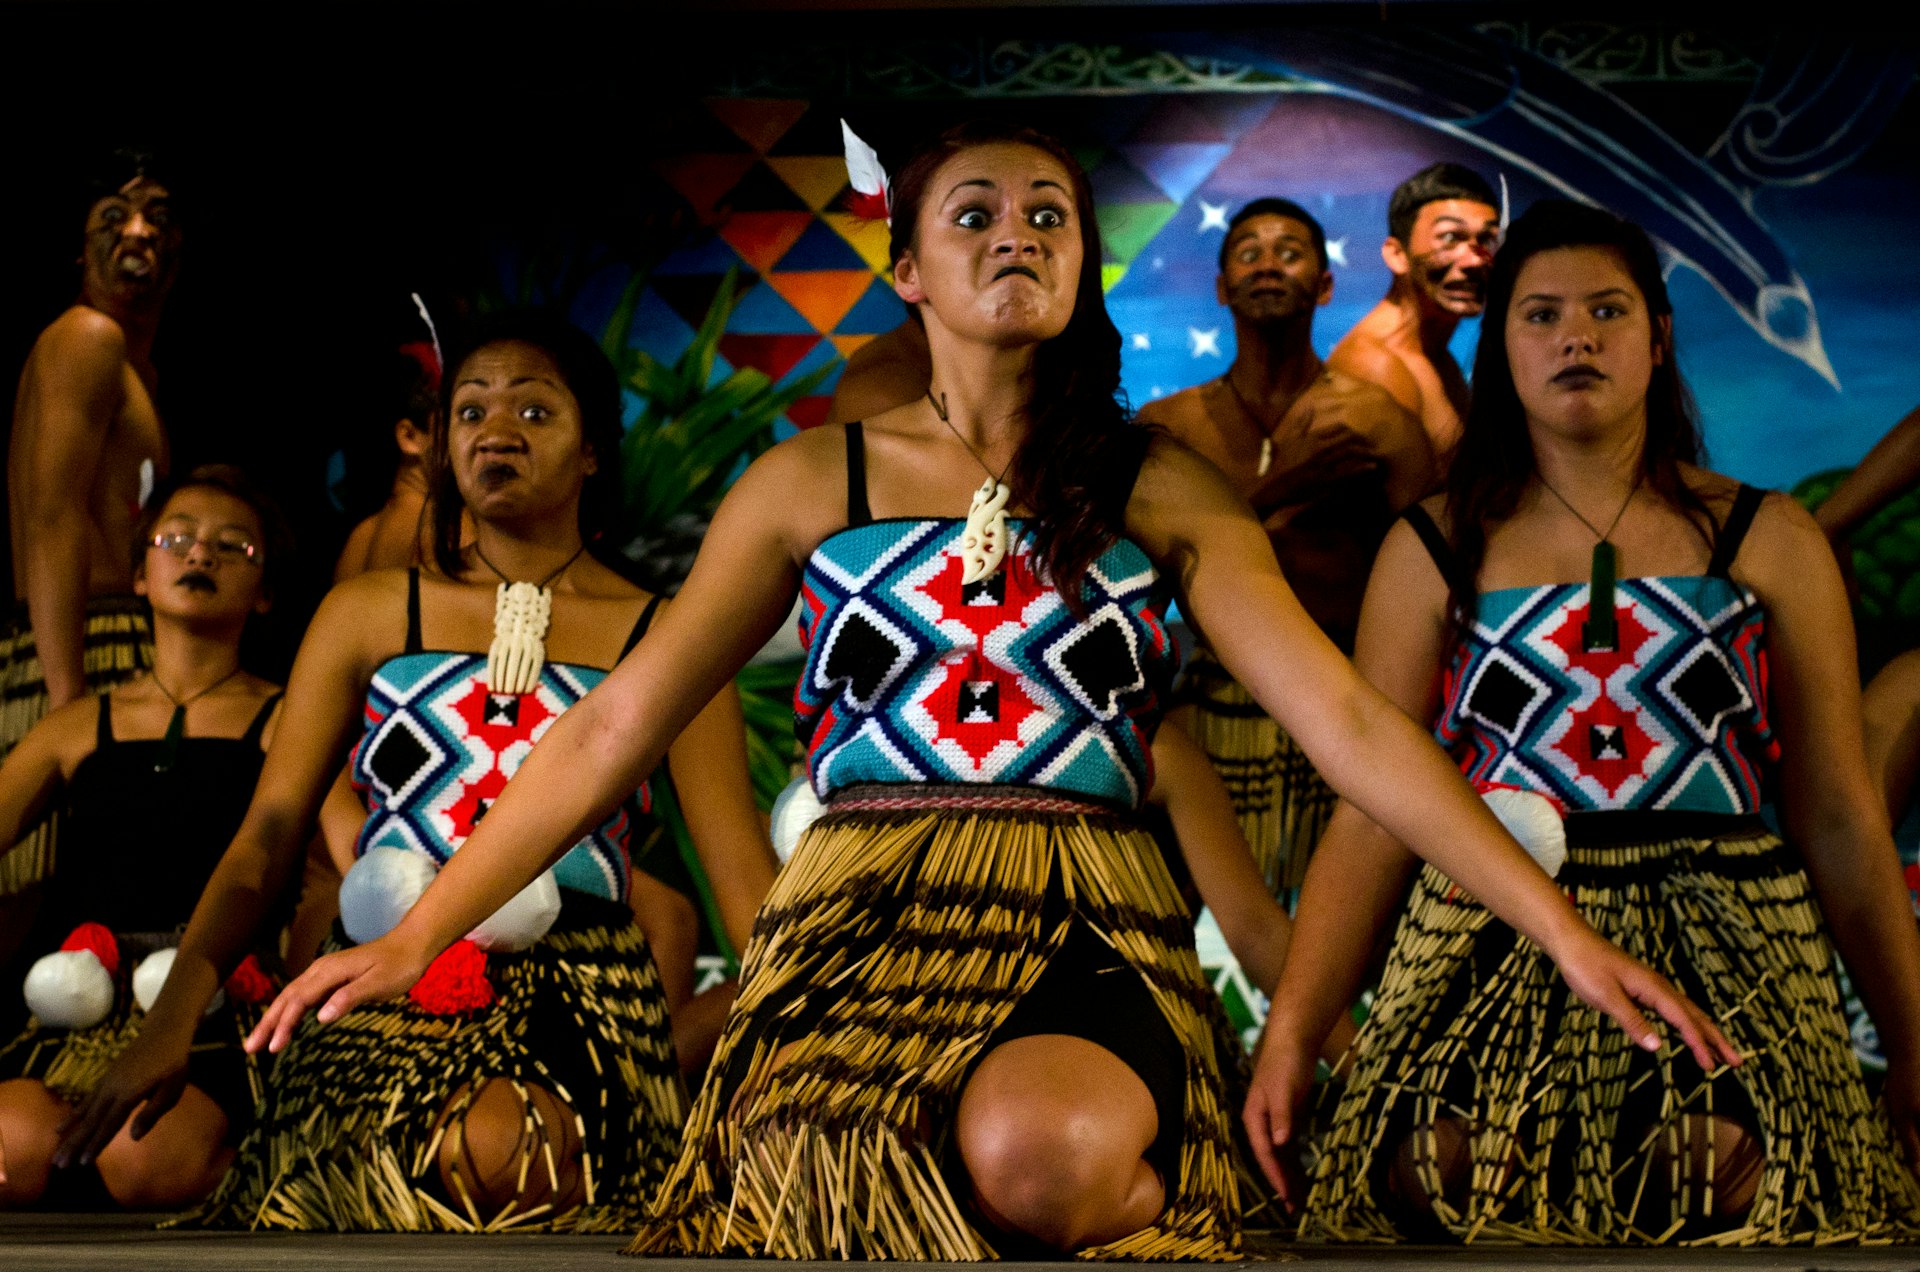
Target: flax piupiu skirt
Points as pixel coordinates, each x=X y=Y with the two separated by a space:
x=900 y=943
x=1575 y=1133
x=347 y=1136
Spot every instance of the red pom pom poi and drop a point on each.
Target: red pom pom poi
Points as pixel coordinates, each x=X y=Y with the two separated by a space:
x=249 y=984
x=96 y=938
x=454 y=983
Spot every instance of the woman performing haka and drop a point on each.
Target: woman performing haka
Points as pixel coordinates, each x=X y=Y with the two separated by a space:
x=530 y=1080
x=1641 y=651
x=971 y=1019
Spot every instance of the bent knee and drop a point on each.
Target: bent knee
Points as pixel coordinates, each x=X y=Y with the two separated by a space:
x=30 y=1117
x=510 y=1144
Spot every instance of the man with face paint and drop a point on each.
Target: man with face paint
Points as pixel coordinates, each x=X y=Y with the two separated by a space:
x=87 y=447
x=1327 y=461
x=1443 y=225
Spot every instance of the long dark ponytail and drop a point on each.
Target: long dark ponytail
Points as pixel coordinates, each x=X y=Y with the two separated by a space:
x=1495 y=459
x=1076 y=466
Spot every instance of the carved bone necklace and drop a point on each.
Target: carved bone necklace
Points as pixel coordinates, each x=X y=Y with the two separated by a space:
x=983 y=543
x=521 y=614
x=1253 y=417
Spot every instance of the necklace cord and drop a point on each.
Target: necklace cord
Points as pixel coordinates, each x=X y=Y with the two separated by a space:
x=1607 y=534
x=564 y=565
x=939 y=406
x=181 y=704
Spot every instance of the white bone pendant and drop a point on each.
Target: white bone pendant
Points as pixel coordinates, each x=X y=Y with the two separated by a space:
x=983 y=544
x=521 y=613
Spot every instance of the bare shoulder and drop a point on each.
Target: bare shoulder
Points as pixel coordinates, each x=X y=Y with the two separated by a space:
x=69 y=733
x=356 y=613
x=1362 y=356
x=889 y=369
x=1174 y=410
x=1176 y=479
x=82 y=328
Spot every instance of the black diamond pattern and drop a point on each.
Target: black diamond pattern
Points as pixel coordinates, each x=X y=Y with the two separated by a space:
x=1101 y=665
x=861 y=654
x=1500 y=697
x=503 y=709
x=991 y=590
x=1606 y=742
x=397 y=757
x=1707 y=691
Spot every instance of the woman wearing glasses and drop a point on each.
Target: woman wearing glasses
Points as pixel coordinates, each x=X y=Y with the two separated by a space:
x=155 y=775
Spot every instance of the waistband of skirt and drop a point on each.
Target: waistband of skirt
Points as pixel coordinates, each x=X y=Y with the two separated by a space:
x=1642 y=826
x=967 y=798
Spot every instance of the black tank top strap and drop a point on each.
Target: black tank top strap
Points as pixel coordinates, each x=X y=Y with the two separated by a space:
x=640 y=625
x=414 y=644
x=1437 y=546
x=858 y=511
x=1726 y=545
x=103 y=731
x=260 y=718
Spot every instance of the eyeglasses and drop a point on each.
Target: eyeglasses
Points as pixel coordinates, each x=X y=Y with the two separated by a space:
x=227 y=548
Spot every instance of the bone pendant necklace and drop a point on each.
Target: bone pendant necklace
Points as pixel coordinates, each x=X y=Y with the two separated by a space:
x=521 y=614
x=1601 y=631
x=1253 y=417
x=983 y=542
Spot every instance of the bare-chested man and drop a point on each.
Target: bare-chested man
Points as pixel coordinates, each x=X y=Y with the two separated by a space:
x=87 y=447
x=1442 y=230
x=1327 y=461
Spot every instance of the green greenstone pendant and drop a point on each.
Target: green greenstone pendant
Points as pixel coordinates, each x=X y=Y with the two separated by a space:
x=170 y=740
x=1601 y=631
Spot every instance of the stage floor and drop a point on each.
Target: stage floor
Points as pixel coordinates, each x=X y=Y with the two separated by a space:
x=122 y=1243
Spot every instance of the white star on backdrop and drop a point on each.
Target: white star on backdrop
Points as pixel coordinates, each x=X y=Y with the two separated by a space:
x=1206 y=344
x=1337 y=252
x=1155 y=391
x=1141 y=342
x=1213 y=216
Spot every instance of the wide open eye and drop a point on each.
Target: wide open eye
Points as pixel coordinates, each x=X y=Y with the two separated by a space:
x=973 y=219
x=1047 y=219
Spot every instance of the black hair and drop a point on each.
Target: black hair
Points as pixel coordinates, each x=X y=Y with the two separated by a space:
x=111 y=170
x=1434 y=183
x=1495 y=462
x=588 y=375
x=1277 y=207
x=1076 y=466
x=228 y=479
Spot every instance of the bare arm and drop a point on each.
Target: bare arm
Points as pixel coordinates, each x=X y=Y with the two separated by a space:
x=742 y=585
x=709 y=766
x=72 y=395
x=1830 y=809
x=1411 y=471
x=324 y=696
x=1889 y=469
x=1255 y=926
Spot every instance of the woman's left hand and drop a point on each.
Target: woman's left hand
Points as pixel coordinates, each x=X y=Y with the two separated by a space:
x=336 y=984
x=1612 y=981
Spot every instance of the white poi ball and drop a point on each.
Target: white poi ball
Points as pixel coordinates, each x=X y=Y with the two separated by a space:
x=151 y=977
x=380 y=888
x=69 y=989
x=1533 y=820
x=794 y=809
x=523 y=920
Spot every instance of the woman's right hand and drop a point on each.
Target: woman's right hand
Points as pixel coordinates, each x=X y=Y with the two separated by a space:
x=148 y=1076
x=1276 y=1109
x=1613 y=981
x=339 y=982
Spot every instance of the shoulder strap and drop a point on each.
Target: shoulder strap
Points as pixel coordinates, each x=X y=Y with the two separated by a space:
x=103 y=733
x=1437 y=546
x=640 y=625
x=413 y=611
x=858 y=512
x=1726 y=545
x=260 y=718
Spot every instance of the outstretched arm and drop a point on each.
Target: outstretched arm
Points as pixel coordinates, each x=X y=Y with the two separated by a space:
x=72 y=393
x=708 y=762
x=597 y=753
x=324 y=694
